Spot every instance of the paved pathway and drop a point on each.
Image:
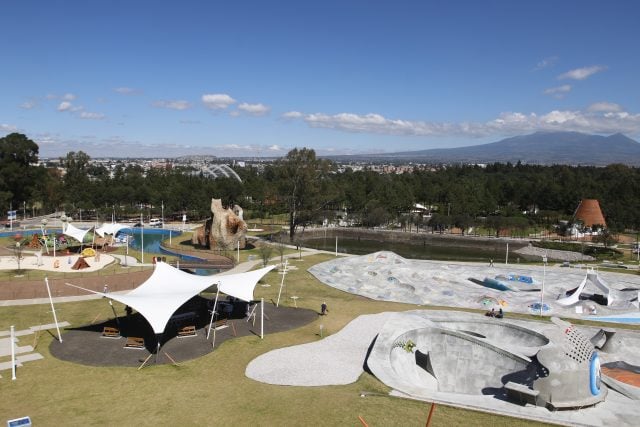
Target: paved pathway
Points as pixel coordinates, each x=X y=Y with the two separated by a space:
x=133 y=262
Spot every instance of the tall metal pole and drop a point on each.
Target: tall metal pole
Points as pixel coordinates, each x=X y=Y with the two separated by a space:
x=141 y=239
x=506 y=259
x=261 y=318
x=284 y=273
x=53 y=309
x=544 y=276
x=213 y=312
x=13 y=352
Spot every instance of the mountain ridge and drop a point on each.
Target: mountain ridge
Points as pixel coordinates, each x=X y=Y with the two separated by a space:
x=544 y=147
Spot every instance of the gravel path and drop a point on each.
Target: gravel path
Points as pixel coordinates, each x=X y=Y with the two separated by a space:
x=335 y=360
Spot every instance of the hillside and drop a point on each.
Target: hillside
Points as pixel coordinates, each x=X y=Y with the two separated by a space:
x=572 y=148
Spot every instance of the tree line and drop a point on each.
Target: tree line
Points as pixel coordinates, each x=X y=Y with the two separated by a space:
x=308 y=190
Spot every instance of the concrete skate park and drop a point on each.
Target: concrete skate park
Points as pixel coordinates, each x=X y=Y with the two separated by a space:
x=553 y=372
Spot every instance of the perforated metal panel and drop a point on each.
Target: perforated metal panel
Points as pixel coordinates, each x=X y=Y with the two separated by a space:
x=577 y=346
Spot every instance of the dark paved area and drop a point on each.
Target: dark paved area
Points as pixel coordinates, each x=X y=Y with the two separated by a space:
x=85 y=344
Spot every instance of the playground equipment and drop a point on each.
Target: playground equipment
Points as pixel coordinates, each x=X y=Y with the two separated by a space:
x=608 y=297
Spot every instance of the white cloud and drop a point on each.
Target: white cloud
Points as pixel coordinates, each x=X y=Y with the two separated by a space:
x=582 y=73
x=275 y=147
x=292 y=115
x=172 y=104
x=91 y=116
x=217 y=101
x=558 y=91
x=546 y=63
x=7 y=128
x=127 y=91
x=507 y=123
x=559 y=117
x=28 y=105
x=65 y=106
x=68 y=97
x=605 y=107
x=254 y=109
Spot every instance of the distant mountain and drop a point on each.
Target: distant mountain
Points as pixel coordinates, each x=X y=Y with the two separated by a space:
x=571 y=148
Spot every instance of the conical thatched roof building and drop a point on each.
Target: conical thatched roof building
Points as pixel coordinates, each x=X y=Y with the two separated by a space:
x=589 y=213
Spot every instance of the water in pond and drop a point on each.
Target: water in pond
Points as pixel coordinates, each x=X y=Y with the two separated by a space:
x=152 y=241
x=428 y=251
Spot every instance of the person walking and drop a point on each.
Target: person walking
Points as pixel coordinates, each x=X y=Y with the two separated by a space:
x=323 y=309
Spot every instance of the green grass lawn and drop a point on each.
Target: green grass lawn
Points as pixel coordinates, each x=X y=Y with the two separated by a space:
x=213 y=389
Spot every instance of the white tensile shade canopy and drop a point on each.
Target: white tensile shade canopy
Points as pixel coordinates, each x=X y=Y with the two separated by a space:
x=110 y=228
x=168 y=288
x=73 y=231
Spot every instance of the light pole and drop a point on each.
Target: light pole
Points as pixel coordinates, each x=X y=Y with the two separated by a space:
x=126 y=257
x=141 y=239
x=43 y=225
x=162 y=213
x=18 y=252
x=544 y=276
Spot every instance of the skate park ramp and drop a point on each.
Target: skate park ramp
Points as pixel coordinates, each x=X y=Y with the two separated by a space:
x=389 y=277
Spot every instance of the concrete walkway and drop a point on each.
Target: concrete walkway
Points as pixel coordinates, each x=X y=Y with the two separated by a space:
x=133 y=262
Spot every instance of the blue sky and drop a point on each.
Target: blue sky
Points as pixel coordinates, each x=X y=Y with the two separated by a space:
x=156 y=78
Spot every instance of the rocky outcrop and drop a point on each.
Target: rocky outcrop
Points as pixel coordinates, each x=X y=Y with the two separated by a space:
x=224 y=230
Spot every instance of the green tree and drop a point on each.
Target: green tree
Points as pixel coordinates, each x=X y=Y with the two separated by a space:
x=76 y=180
x=19 y=175
x=305 y=186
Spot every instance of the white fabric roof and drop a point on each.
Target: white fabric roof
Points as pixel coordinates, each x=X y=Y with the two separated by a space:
x=110 y=228
x=72 y=231
x=168 y=288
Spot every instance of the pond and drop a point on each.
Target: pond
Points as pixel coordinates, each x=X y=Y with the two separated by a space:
x=152 y=239
x=412 y=251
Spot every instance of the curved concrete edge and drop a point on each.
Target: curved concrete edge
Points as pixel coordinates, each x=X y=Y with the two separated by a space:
x=379 y=361
x=335 y=360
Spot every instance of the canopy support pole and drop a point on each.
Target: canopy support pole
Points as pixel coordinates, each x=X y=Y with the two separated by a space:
x=284 y=273
x=213 y=312
x=115 y=315
x=145 y=361
x=159 y=338
x=53 y=309
x=213 y=342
